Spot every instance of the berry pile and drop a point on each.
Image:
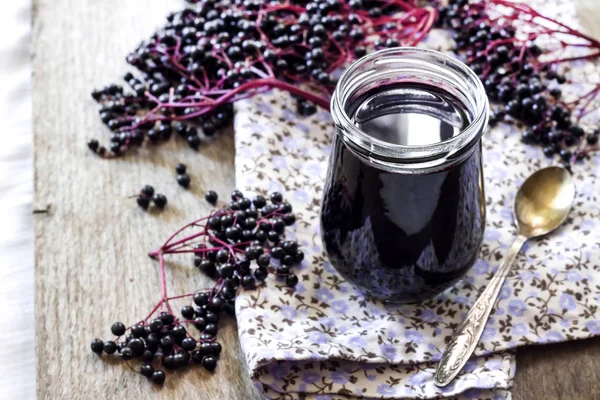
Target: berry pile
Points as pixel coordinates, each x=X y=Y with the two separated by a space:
x=238 y=245
x=216 y=52
x=183 y=179
x=147 y=195
x=501 y=49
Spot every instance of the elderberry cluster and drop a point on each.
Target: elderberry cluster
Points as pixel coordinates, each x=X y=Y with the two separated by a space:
x=238 y=245
x=165 y=342
x=256 y=226
x=523 y=89
x=215 y=52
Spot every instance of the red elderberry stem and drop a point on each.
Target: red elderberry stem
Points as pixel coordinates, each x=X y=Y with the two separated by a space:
x=535 y=14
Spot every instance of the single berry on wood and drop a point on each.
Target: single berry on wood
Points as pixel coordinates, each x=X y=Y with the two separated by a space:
x=211 y=196
x=159 y=200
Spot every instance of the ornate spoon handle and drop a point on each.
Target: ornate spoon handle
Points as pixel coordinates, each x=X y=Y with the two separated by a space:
x=467 y=335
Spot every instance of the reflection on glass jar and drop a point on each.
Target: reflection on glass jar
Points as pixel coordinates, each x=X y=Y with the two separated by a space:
x=403 y=208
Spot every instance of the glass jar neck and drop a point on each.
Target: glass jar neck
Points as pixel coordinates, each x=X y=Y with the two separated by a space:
x=409 y=66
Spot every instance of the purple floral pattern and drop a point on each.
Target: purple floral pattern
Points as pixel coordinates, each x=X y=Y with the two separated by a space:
x=325 y=340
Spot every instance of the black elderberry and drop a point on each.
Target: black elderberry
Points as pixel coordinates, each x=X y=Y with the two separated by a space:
x=565 y=155
x=289 y=219
x=211 y=329
x=210 y=363
x=233 y=232
x=223 y=254
x=277 y=252
x=97 y=346
x=248 y=282
x=283 y=270
x=197 y=356
x=216 y=305
x=183 y=180
x=261 y=274
x=147 y=370
x=243 y=267
x=156 y=325
x=226 y=221
x=152 y=341
x=147 y=190
x=263 y=260
x=143 y=201
x=138 y=331
x=181 y=359
x=159 y=200
x=169 y=362
x=187 y=312
x=290 y=246
x=147 y=356
x=206 y=349
x=273 y=237
x=166 y=343
x=232 y=283
x=179 y=333
x=136 y=345
x=278 y=225
x=180 y=168
x=276 y=197
x=291 y=280
x=194 y=141
x=214 y=223
x=188 y=344
x=548 y=151
x=109 y=347
x=569 y=139
x=167 y=318
x=126 y=353
x=577 y=131
x=225 y=271
x=158 y=377
x=199 y=323
x=118 y=329
x=201 y=298
x=260 y=236
x=93 y=145
x=592 y=138
x=228 y=292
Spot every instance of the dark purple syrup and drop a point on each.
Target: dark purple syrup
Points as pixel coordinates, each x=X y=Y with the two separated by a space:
x=404 y=236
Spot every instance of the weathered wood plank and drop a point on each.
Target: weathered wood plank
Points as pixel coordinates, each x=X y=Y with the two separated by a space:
x=91 y=263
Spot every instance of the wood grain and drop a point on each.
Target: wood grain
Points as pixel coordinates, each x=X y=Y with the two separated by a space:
x=91 y=264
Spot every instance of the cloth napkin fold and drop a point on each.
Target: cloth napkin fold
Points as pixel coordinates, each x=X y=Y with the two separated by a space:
x=324 y=339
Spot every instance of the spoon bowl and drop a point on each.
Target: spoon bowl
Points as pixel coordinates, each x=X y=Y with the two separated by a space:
x=543 y=201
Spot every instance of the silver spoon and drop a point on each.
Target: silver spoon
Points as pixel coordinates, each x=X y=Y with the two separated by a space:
x=541 y=205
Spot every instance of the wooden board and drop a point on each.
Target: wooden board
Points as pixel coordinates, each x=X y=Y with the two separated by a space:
x=91 y=263
x=91 y=268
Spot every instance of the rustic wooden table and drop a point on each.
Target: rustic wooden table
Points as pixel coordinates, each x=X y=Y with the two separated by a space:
x=91 y=268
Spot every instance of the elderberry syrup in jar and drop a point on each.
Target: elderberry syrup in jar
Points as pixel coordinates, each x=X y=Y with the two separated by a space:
x=403 y=209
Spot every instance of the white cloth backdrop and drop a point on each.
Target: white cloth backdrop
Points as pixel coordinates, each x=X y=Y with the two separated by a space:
x=17 y=338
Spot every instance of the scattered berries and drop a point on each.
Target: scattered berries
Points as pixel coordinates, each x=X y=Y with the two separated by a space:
x=228 y=248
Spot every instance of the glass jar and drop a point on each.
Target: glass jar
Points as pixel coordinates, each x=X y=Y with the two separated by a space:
x=403 y=210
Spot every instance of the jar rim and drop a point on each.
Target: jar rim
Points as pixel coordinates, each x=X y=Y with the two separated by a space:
x=381 y=151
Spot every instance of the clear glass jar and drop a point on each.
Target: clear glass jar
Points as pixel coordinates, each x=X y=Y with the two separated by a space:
x=403 y=210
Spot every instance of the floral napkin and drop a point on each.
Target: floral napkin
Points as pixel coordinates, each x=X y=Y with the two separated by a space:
x=325 y=340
